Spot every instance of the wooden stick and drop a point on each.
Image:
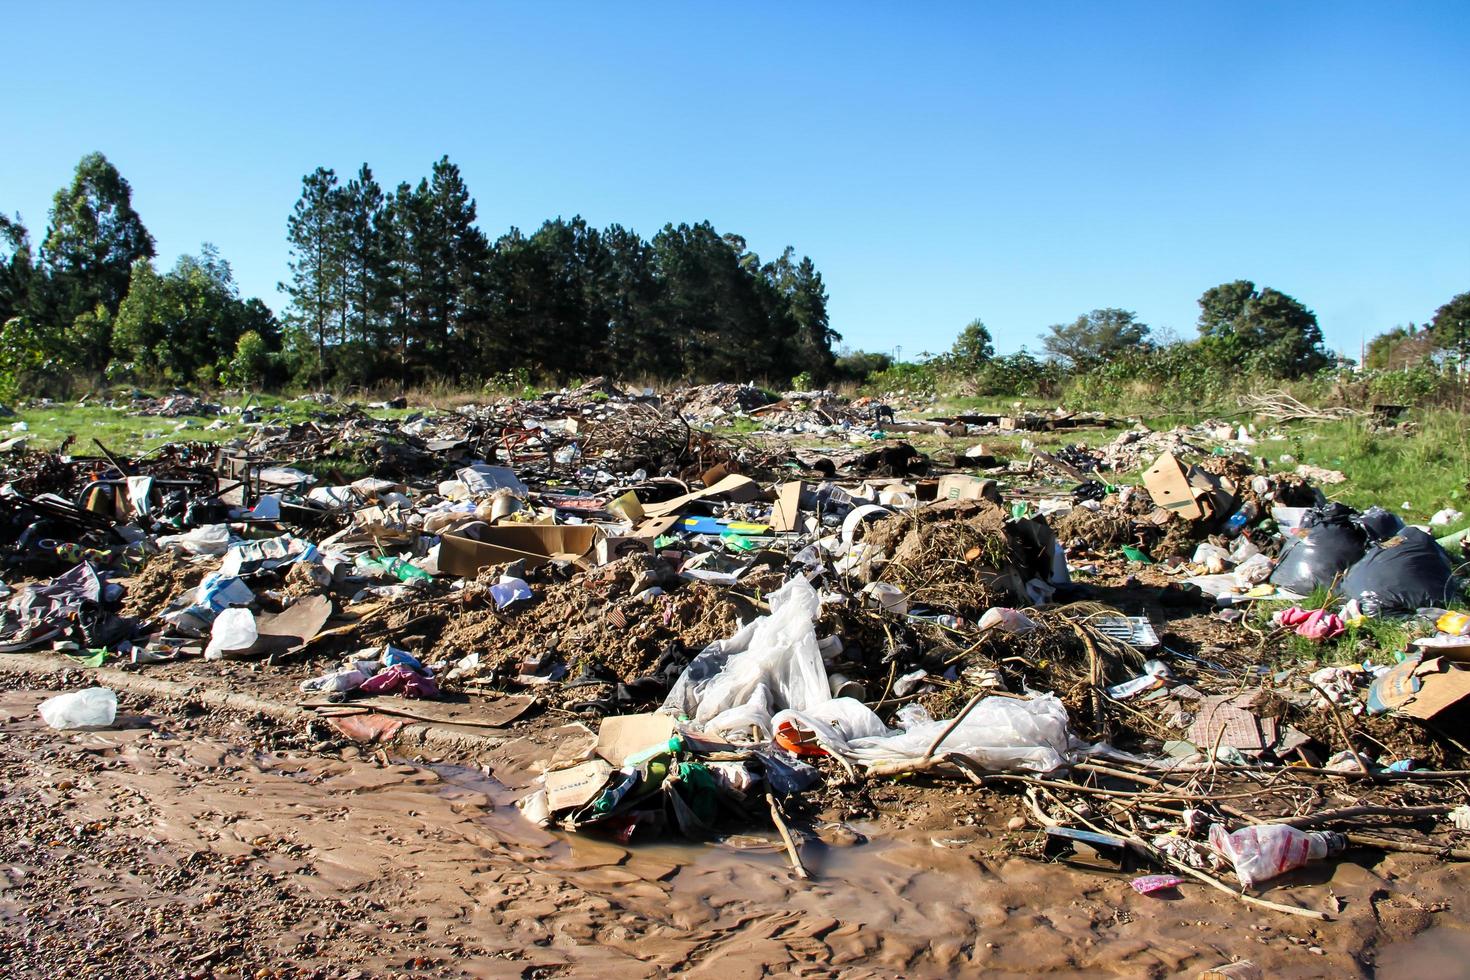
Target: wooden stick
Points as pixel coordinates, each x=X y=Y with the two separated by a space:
x=951 y=726
x=791 y=852
x=1347 y=813
x=1183 y=868
x=1387 y=844
x=1341 y=728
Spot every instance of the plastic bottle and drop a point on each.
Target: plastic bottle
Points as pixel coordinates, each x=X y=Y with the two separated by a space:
x=1263 y=851
x=1240 y=519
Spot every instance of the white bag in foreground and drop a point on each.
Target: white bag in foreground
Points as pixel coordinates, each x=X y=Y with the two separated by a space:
x=94 y=707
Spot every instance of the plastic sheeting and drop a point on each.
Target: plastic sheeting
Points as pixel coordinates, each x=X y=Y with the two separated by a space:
x=999 y=733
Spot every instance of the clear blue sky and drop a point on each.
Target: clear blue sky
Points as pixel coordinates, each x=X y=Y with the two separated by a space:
x=1022 y=163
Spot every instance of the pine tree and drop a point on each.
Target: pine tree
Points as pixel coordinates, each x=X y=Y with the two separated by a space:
x=314 y=231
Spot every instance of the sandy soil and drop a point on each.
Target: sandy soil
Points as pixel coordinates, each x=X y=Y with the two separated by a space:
x=176 y=846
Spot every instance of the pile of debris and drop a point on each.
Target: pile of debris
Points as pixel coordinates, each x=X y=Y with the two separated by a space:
x=745 y=625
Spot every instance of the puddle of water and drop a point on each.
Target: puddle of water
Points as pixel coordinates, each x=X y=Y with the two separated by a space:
x=1438 y=953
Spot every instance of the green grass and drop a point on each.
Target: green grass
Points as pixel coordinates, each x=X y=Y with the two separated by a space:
x=122 y=432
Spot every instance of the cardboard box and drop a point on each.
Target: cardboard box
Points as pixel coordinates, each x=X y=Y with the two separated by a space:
x=536 y=543
x=614 y=545
x=962 y=486
x=1192 y=493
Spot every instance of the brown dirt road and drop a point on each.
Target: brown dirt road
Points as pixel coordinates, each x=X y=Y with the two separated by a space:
x=175 y=846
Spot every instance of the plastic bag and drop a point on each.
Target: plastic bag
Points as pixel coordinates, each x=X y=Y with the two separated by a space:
x=1253 y=571
x=94 y=707
x=835 y=723
x=1401 y=574
x=211 y=539
x=1330 y=542
x=773 y=658
x=998 y=733
x=1264 y=851
x=234 y=631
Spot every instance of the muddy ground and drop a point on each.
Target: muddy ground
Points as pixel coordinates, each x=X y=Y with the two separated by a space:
x=189 y=843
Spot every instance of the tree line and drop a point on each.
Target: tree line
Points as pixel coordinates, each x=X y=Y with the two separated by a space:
x=399 y=287
x=402 y=287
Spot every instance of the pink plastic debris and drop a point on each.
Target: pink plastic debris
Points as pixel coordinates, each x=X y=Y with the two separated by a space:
x=1149 y=884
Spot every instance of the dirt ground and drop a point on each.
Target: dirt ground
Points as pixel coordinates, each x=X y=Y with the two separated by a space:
x=180 y=844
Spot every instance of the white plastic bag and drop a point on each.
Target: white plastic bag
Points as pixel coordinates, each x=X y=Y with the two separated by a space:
x=94 y=707
x=210 y=539
x=234 y=631
x=774 y=659
x=1253 y=571
x=998 y=733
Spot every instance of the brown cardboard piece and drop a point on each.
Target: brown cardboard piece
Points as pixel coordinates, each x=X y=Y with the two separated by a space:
x=1440 y=690
x=291 y=628
x=567 y=789
x=962 y=486
x=1192 y=493
x=536 y=543
x=623 y=735
x=740 y=489
x=786 y=515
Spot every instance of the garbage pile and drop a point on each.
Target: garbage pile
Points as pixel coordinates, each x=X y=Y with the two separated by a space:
x=747 y=630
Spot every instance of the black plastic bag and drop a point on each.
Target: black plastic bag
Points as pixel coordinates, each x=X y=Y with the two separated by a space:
x=1404 y=573
x=1331 y=544
x=1379 y=524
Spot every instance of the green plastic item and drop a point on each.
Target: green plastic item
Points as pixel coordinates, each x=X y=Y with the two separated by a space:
x=1135 y=555
x=737 y=542
x=1018 y=511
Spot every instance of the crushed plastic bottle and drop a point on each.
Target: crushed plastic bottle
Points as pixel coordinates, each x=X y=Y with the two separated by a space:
x=1240 y=519
x=1264 y=851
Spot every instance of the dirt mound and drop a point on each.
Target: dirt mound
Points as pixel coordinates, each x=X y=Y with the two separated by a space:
x=165 y=576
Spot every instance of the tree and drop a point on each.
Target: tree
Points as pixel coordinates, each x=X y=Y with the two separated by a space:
x=316 y=288
x=972 y=348
x=1399 y=348
x=1266 y=330
x=184 y=324
x=1451 y=327
x=93 y=240
x=18 y=273
x=1094 y=338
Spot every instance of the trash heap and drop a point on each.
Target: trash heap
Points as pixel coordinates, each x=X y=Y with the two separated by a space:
x=740 y=632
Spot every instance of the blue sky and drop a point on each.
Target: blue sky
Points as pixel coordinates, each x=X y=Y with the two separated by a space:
x=939 y=162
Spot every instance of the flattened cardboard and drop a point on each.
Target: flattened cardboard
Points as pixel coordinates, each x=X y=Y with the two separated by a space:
x=1438 y=694
x=786 y=515
x=1168 y=485
x=536 y=543
x=740 y=489
x=291 y=628
x=567 y=789
x=623 y=735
